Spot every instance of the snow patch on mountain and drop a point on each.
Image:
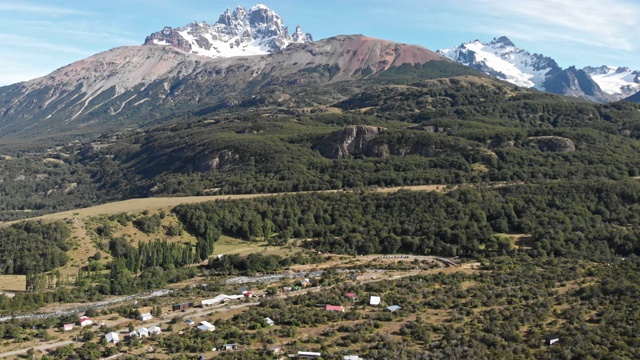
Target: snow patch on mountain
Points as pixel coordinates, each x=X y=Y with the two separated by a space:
x=243 y=32
x=619 y=81
x=502 y=59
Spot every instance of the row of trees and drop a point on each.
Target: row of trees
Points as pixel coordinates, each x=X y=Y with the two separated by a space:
x=258 y=263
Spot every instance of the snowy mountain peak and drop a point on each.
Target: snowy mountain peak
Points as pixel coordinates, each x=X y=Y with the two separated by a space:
x=502 y=41
x=502 y=59
x=240 y=32
x=619 y=82
x=301 y=37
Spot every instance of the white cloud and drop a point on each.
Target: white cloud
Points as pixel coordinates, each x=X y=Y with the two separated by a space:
x=20 y=71
x=28 y=42
x=40 y=9
x=610 y=24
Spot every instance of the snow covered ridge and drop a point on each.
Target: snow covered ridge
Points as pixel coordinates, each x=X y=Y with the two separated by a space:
x=502 y=59
x=243 y=32
x=615 y=80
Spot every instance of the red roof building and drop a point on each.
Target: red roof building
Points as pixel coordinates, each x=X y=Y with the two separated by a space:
x=334 y=308
x=85 y=321
x=351 y=296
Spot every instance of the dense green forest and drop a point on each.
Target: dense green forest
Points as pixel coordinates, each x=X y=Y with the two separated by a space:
x=33 y=247
x=446 y=131
x=587 y=219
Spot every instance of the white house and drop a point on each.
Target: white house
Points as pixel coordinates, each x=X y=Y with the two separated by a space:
x=112 y=337
x=374 y=301
x=68 y=327
x=206 y=326
x=229 y=347
x=220 y=299
x=146 y=317
x=352 y=357
x=394 y=308
x=85 y=321
x=155 y=330
x=133 y=334
x=269 y=321
x=308 y=354
x=144 y=332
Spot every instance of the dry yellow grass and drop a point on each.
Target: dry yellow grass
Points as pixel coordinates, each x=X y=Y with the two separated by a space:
x=229 y=245
x=520 y=241
x=82 y=249
x=479 y=167
x=52 y=160
x=12 y=282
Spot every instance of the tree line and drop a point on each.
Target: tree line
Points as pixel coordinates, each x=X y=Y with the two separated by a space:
x=594 y=219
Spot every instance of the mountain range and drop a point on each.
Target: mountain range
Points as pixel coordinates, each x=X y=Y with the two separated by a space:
x=503 y=59
x=248 y=57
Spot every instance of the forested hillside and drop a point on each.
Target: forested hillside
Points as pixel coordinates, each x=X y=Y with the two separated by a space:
x=447 y=131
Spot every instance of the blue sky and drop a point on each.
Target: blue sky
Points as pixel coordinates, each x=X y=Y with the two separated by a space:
x=37 y=37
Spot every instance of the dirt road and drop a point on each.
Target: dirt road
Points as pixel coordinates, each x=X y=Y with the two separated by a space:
x=40 y=348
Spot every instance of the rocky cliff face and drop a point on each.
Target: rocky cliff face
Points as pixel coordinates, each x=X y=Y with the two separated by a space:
x=370 y=141
x=256 y=31
x=634 y=98
x=552 y=144
x=353 y=140
x=217 y=161
x=577 y=83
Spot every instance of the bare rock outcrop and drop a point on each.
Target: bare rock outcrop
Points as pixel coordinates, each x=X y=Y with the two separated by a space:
x=552 y=144
x=371 y=141
x=353 y=140
x=219 y=160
